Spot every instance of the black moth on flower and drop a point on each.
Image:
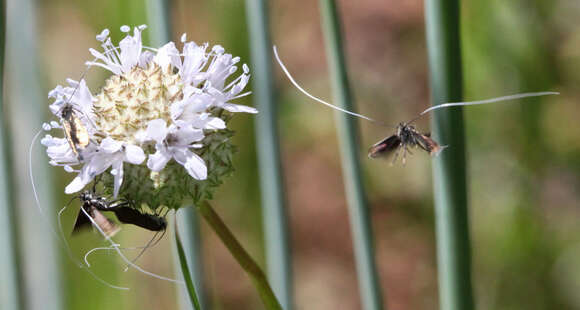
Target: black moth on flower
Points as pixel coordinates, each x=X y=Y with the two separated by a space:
x=93 y=204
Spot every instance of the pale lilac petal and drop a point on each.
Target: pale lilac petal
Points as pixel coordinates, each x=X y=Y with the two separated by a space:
x=76 y=185
x=83 y=97
x=109 y=145
x=103 y=35
x=157 y=161
x=196 y=167
x=157 y=130
x=239 y=108
x=134 y=154
x=130 y=51
x=178 y=107
x=118 y=180
x=215 y=123
x=181 y=154
x=165 y=55
x=189 y=135
x=145 y=58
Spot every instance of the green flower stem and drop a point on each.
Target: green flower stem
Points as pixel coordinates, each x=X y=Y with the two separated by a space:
x=449 y=173
x=185 y=271
x=242 y=257
x=361 y=226
x=267 y=145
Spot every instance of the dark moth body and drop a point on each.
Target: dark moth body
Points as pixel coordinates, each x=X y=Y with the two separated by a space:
x=405 y=137
x=93 y=204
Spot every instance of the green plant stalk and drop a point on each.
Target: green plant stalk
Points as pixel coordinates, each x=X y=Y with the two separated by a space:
x=242 y=257
x=40 y=255
x=10 y=277
x=159 y=21
x=185 y=271
x=160 y=33
x=360 y=222
x=267 y=143
x=449 y=172
x=187 y=220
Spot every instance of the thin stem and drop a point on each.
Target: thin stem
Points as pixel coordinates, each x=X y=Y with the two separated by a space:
x=185 y=271
x=242 y=257
x=449 y=173
x=360 y=221
x=267 y=145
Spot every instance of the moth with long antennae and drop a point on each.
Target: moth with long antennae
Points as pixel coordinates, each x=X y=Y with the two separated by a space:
x=75 y=131
x=405 y=135
x=92 y=203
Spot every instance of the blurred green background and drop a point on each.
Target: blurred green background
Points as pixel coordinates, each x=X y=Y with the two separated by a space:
x=523 y=157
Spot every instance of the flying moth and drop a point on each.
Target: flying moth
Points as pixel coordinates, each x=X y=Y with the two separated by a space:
x=405 y=135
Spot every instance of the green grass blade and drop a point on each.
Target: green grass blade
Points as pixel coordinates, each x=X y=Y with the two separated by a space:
x=449 y=172
x=186 y=273
x=187 y=220
x=10 y=273
x=27 y=101
x=360 y=222
x=158 y=18
x=267 y=143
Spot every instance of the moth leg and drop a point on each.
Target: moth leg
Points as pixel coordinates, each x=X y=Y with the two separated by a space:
x=408 y=150
x=404 y=160
x=396 y=156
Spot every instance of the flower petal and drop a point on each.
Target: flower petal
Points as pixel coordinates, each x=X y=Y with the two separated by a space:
x=157 y=130
x=118 y=168
x=165 y=55
x=239 y=108
x=76 y=185
x=196 y=167
x=157 y=161
x=134 y=154
x=215 y=123
x=109 y=145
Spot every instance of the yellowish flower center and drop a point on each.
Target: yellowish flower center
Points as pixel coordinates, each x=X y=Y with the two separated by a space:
x=128 y=102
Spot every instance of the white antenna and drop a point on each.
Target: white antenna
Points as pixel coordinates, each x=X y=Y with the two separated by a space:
x=492 y=100
x=311 y=96
x=444 y=105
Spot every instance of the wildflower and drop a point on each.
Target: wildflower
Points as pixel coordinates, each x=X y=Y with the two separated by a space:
x=158 y=127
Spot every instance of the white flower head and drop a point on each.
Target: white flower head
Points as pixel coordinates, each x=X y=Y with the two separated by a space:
x=157 y=125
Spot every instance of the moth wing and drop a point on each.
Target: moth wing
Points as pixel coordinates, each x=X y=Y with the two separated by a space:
x=81 y=133
x=108 y=227
x=385 y=146
x=131 y=216
x=81 y=222
x=428 y=144
x=69 y=135
x=105 y=224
